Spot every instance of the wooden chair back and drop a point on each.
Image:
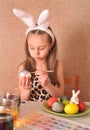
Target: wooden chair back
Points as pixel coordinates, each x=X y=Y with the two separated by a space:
x=71 y=83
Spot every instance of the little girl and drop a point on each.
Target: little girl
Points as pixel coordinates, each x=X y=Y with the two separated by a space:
x=41 y=49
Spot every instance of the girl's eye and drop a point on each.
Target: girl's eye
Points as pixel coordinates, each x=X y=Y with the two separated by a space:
x=31 y=48
x=41 y=48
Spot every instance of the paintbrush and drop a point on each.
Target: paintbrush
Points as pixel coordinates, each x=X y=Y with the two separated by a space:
x=48 y=71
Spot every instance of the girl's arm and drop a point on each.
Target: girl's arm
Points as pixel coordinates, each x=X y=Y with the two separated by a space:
x=58 y=91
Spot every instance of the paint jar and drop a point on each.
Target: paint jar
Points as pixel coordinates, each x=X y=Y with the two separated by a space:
x=9 y=107
x=6 y=121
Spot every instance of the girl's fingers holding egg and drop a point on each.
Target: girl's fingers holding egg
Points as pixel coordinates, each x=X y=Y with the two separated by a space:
x=23 y=81
x=27 y=81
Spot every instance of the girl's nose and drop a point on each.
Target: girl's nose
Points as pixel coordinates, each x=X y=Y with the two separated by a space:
x=36 y=52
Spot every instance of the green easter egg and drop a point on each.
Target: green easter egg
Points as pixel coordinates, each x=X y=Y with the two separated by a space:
x=65 y=102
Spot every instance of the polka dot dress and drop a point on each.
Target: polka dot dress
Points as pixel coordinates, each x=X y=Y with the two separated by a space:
x=38 y=93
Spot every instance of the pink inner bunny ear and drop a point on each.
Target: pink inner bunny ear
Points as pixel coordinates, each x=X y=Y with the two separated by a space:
x=43 y=19
x=25 y=17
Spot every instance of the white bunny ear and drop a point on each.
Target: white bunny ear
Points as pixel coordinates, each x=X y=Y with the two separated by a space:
x=73 y=92
x=43 y=20
x=42 y=23
x=25 y=17
x=77 y=93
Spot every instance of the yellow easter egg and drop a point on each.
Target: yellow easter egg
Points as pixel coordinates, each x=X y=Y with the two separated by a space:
x=71 y=108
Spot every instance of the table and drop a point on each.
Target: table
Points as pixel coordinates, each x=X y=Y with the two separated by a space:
x=29 y=107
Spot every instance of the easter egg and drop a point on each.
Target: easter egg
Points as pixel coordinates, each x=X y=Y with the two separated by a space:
x=58 y=107
x=51 y=100
x=71 y=108
x=82 y=106
x=65 y=102
x=64 y=98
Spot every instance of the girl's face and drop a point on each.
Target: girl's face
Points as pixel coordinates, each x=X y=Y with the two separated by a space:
x=38 y=46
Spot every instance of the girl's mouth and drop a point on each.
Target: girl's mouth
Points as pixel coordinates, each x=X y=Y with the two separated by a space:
x=37 y=58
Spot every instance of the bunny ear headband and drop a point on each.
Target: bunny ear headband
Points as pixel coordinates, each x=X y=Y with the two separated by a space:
x=42 y=22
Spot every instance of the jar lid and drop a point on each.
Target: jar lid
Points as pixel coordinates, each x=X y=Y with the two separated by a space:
x=4 y=117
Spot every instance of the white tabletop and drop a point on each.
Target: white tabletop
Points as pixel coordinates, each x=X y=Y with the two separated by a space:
x=29 y=107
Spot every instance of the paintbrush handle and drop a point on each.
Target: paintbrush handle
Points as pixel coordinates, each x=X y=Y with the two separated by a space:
x=48 y=71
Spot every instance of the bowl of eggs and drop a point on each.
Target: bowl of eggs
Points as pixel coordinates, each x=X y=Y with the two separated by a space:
x=64 y=107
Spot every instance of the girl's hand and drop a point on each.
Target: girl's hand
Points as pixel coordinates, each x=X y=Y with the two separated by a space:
x=43 y=77
x=25 y=82
x=24 y=79
x=24 y=87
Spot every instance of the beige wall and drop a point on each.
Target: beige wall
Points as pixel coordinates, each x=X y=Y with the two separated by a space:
x=70 y=20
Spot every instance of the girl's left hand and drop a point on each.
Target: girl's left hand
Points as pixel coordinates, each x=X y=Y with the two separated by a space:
x=43 y=77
